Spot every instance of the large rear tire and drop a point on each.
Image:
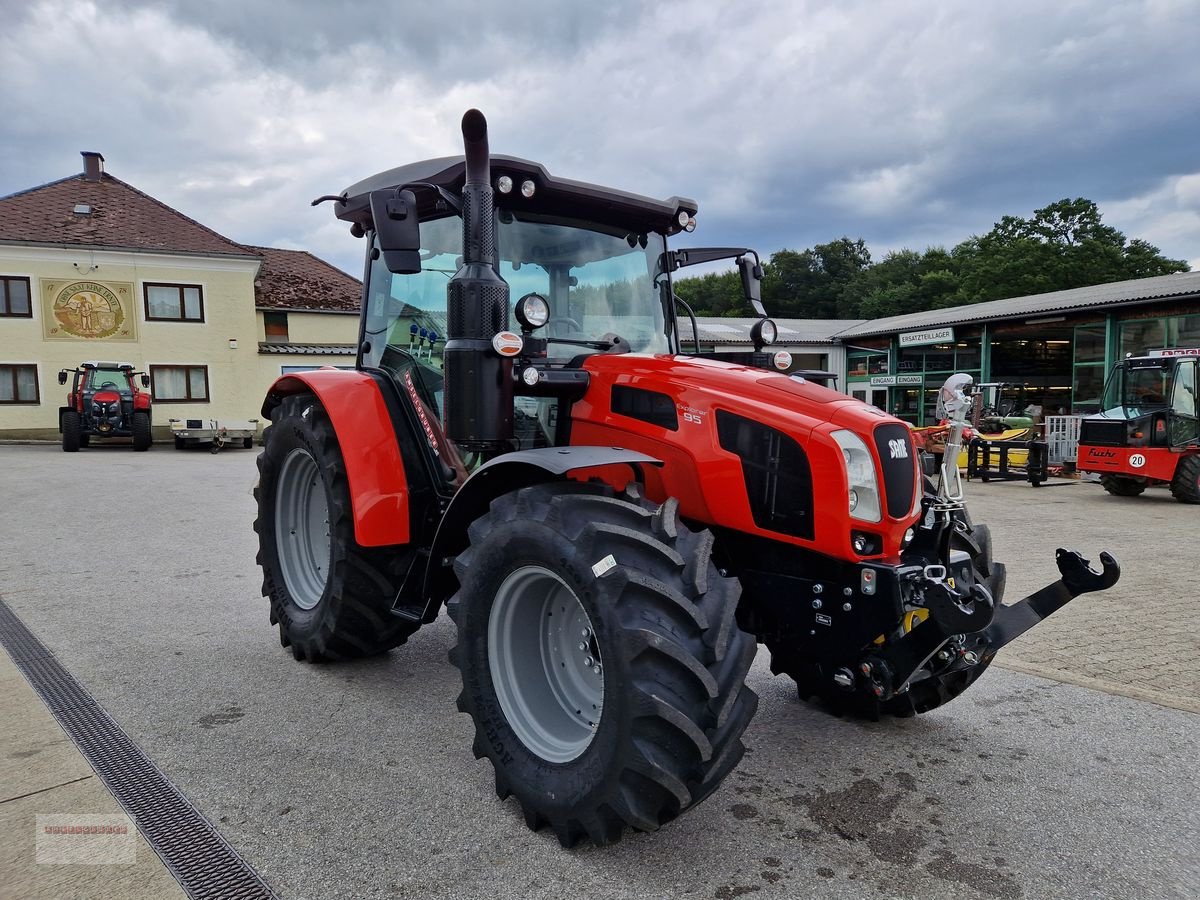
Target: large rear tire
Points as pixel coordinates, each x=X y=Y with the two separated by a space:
x=1119 y=486
x=935 y=685
x=330 y=597
x=71 y=428
x=139 y=424
x=629 y=707
x=1185 y=486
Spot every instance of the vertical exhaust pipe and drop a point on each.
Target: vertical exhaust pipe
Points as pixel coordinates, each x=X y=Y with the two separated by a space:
x=478 y=401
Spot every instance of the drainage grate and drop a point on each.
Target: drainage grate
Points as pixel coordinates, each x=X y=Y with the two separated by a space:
x=199 y=858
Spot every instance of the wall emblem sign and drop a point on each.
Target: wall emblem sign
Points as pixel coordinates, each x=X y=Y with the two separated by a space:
x=88 y=311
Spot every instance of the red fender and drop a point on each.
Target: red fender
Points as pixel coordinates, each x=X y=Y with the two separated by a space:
x=378 y=486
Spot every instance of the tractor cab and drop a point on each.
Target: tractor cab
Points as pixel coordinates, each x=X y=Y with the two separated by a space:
x=1148 y=432
x=1149 y=401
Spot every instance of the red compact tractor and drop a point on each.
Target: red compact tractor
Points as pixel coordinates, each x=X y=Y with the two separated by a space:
x=104 y=402
x=612 y=524
x=1148 y=432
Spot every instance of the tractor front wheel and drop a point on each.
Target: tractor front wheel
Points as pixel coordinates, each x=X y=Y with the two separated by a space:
x=71 y=428
x=601 y=660
x=140 y=426
x=330 y=597
x=1120 y=486
x=1185 y=486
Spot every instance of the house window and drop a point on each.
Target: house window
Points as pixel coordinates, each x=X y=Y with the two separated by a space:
x=14 y=297
x=19 y=384
x=179 y=384
x=173 y=302
x=275 y=325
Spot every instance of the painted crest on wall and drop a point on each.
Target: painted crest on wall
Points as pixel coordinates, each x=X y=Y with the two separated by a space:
x=88 y=310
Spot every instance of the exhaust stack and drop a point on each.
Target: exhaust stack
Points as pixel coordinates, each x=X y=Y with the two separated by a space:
x=478 y=403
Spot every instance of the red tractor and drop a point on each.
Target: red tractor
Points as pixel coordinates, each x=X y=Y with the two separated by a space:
x=104 y=402
x=1148 y=432
x=612 y=524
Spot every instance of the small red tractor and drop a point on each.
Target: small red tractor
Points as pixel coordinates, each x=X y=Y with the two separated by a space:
x=1148 y=432
x=104 y=402
x=612 y=524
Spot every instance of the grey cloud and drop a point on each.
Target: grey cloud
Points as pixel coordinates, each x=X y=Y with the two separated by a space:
x=791 y=124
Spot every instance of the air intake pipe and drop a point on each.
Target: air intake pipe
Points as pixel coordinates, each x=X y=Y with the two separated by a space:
x=478 y=400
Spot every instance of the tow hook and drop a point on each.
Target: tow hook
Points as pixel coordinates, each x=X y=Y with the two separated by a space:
x=1078 y=577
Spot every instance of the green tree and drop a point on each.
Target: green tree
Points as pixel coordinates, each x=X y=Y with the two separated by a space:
x=1063 y=245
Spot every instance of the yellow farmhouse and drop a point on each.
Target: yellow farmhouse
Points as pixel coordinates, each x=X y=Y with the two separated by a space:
x=92 y=269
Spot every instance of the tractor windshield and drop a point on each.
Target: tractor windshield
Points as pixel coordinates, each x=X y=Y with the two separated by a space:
x=1134 y=389
x=113 y=379
x=596 y=283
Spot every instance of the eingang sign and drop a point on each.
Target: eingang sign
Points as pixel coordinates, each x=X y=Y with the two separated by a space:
x=928 y=336
x=897 y=380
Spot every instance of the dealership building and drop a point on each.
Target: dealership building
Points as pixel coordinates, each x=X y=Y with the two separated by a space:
x=92 y=269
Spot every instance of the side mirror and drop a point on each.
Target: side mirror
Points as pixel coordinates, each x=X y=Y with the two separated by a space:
x=398 y=230
x=145 y=381
x=752 y=273
x=62 y=377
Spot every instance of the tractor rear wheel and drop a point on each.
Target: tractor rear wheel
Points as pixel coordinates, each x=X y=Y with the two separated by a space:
x=930 y=688
x=71 y=428
x=601 y=660
x=139 y=424
x=1185 y=486
x=1119 y=486
x=330 y=597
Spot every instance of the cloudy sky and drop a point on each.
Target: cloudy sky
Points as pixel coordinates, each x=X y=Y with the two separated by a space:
x=906 y=123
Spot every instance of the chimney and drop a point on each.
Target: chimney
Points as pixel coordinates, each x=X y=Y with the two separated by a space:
x=93 y=165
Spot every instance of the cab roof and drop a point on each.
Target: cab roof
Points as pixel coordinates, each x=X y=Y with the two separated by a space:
x=553 y=198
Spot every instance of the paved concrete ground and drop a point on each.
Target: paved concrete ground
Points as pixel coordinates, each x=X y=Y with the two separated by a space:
x=42 y=774
x=357 y=780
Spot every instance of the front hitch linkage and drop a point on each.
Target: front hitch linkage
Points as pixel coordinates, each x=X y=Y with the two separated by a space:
x=888 y=670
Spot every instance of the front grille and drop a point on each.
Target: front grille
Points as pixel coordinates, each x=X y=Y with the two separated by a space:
x=1102 y=433
x=776 y=472
x=896 y=453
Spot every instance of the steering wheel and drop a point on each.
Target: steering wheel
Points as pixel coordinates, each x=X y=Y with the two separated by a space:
x=562 y=319
x=109 y=384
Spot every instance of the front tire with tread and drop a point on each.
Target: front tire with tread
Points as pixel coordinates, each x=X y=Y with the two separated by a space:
x=674 y=660
x=1185 y=486
x=352 y=616
x=71 y=428
x=140 y=426
x=1119 y=486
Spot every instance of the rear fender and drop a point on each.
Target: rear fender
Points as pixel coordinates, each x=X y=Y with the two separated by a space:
x=501 y=475
x=378 y=485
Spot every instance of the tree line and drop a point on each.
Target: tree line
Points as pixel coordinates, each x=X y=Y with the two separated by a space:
x=1064 y=245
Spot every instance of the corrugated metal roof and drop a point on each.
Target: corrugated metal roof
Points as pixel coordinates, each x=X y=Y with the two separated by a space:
x=1138 y=290
x=719 y=330
x=308 y=349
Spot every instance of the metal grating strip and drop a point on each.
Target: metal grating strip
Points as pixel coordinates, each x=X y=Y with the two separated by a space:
x=202 y=861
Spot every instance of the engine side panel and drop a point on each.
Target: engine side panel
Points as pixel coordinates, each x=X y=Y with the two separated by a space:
x=709 y=480
x=378 y=484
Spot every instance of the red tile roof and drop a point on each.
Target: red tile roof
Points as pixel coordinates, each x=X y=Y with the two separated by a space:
x=297 y=280
x=122 y=217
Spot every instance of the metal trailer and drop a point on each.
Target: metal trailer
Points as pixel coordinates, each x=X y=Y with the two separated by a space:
x=217 y=433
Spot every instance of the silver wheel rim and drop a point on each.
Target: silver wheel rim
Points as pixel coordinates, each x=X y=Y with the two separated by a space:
x=302 y=529
x=545 y=664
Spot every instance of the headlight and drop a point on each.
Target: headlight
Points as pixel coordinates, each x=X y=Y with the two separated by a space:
x=860 y=475
x=532 y=311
